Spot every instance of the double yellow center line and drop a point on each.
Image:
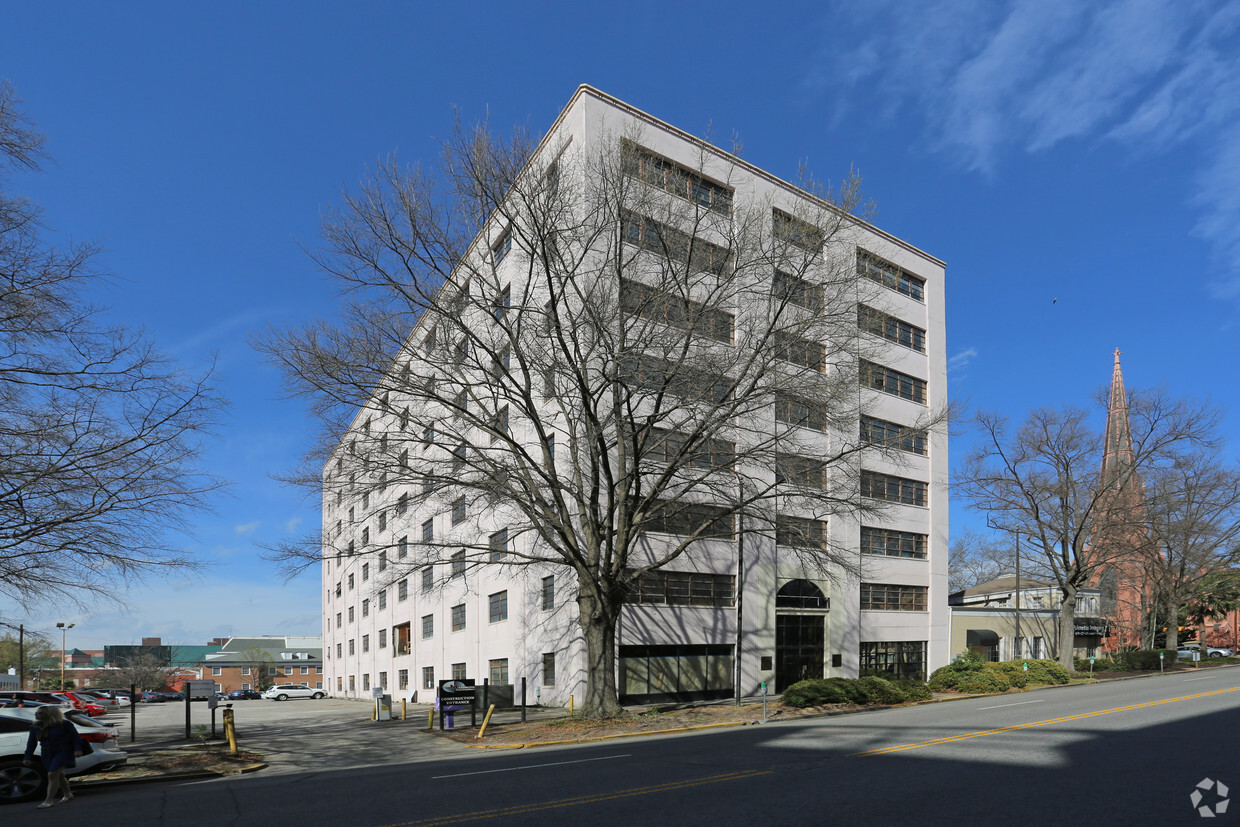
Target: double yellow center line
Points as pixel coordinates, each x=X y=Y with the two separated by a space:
x=982 y=734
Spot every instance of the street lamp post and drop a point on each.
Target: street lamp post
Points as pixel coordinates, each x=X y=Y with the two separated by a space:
x=64 y=630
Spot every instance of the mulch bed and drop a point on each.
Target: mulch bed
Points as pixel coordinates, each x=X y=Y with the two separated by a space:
x=177 y=761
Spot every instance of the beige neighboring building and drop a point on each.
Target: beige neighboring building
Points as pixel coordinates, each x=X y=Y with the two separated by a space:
x=984 y=620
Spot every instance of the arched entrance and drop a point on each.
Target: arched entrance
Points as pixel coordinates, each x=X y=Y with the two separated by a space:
x=984 y=642
x=800 y=632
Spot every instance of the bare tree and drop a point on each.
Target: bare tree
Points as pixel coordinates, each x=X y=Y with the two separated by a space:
x=1194 y=511
x=99 y=433
x=976 y=558
x=147 y=672
x=1045 y=479
x=598 y=342
x=257 y=660
x=32 y=653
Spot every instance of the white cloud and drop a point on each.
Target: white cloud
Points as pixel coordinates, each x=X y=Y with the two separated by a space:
x=962 y=359
x=247 y=528
x=291 y=525
x=1027 y=75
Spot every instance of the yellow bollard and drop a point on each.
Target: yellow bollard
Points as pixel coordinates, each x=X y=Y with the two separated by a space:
x=570 y=706
x=430 y=719
x=402 y=709
x=230 y=731
x=485 y=721
x=374 y=711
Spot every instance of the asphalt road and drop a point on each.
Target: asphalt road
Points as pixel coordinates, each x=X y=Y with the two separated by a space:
x=1128 y=752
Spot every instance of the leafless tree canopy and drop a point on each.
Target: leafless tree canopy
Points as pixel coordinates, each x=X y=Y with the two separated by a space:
x=1044 y=479
x=146 y=672
x=1194 y=511
x=99 y=434
x=599 y=337
x=975 y=559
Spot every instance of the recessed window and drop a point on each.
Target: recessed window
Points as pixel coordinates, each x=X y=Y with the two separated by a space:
x=458 y=564
x=786 y=287
x=792 y=410
x=887 y=380
x=548 y=592
x=502 y=246
x=890 y=276
x=801 y=352
x=428 y=626
x=892 y=598
x=548 y=669
x=886 y=434
x=499 y=672
x=428 y=579
x=428 y=531
x=458 y=617
x=891 y=328
x=499 y=545
x=458 y=511
x=797 y=532
x=402 y=590
x=891 y=543
x=893 y=489
x=676 y=588
x=498 y=606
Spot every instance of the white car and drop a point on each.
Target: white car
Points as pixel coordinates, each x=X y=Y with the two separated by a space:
x=286 y=691
x=21 y=783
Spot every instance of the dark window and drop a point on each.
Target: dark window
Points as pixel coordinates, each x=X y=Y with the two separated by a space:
x=901 y=659
x=458 y=511
x=548 y=592
x=801 y=594
x=458 y=617
x=668 y=447
x=798 y=351
x=796 y=231
x=670 y=176
x=892 y=598
x=797 y=532
x=502 y=246
x=458 y=672
x=499 y=671
x=892 y=435
x=890 y=276
x=499 y=545
x=786 y=287
x=498 y=604
x=893 y=489
x=548 y=669
x=458 y=564
x=891 y=328
x=678 y=379
x=891 y=381
x=792 y=410
x=402 y=590
x=428 y=579
x=675 y=588
x=800 y=471
x=678 y=247
x=637 y=299
x=428 y=626
x=708 y=522
x=889 y=543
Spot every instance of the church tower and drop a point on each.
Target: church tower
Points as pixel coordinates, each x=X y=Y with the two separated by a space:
x=1121 y=527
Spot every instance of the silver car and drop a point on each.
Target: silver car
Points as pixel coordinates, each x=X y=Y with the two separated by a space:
x=285 y=691
x=21 y=783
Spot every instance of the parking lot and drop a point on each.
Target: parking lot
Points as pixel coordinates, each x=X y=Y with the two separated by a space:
x=297 y=735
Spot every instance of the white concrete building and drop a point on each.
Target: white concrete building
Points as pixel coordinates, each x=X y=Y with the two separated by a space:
x=390 y=620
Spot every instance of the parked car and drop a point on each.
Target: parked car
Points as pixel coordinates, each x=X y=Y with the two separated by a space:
x=152 y=697
x=173 y=696
x=21 y=783
x=285 y=691
x=1211 y=651
x=112 y=701
x=244 y=695
x=41 y=697
x=85 y=703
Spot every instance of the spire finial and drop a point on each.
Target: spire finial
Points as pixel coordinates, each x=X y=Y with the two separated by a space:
x=1116 y=354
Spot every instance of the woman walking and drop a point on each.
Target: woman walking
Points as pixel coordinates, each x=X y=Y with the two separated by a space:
x=59 y=746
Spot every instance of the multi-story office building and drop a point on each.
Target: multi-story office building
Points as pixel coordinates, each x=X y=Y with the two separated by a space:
x=837 y=560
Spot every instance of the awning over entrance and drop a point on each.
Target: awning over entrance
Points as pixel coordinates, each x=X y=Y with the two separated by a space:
x=980 y=637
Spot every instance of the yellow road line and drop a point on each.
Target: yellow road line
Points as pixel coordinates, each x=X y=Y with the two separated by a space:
x=966 y=736
x=521 y=809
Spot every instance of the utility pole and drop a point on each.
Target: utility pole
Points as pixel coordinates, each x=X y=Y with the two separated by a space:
x=64 y=630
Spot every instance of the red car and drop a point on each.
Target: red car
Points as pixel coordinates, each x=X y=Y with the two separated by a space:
x=82 y=704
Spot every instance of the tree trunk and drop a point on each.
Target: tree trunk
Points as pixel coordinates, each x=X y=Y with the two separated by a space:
x=1067 y=627
x=598 y=626
x=1173 y=625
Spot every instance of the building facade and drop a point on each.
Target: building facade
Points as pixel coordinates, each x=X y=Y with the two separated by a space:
x=1006 y=618
x=741 y=607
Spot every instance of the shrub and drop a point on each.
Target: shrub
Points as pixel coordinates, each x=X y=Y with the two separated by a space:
x=982 y=681
x=1147 y=659
x=914 y=690
x=1045 y=671
x=1013 y=670
x=851 y=688
x=882 y=691
x=814 y=692
x=947 y=677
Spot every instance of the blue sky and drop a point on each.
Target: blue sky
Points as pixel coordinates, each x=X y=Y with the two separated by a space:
x=1077 y=165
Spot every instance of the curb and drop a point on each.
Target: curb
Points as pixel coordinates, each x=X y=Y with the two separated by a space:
x=87 y=784
x=608 y=737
